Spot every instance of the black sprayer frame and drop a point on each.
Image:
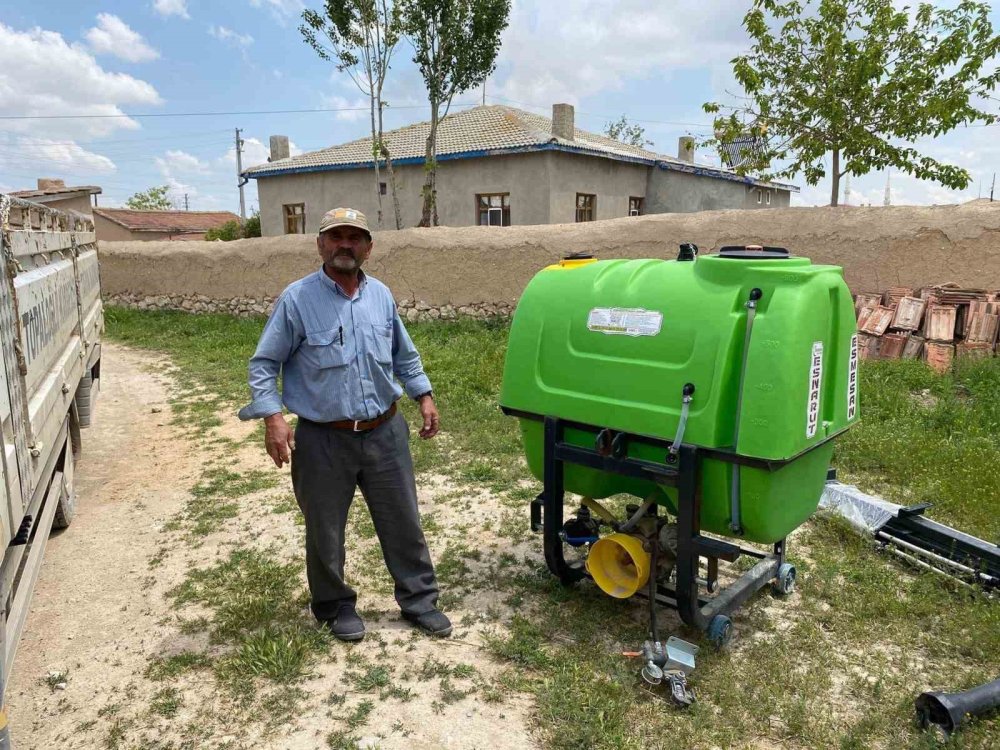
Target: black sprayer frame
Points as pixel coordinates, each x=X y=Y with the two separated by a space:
x=682 y=473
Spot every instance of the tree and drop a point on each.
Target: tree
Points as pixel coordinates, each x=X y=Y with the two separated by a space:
x=861 y=80
x=624 y=131
x=455 y=44
x=252 y=226
x=231 y=230
x=362 y=36
x=226 y=232
x=154 y=199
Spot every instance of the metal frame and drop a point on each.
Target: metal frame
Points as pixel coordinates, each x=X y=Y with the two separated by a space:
x=684 y=473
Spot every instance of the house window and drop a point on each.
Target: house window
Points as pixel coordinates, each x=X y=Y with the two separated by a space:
x=635 y=206
x=493 y=209
x=768 y=198
x=381 y=188
x=760 y=196
x=586 y=206
x=295 y=218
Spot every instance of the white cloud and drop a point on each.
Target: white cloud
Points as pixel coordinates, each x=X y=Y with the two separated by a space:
x=282 y=10
x=255 y=152
x=112 y=36
x=43 y=75
x=171 y=8
x=180 y=161
x=359 y=108
x=27 y=155
x=547 y=58
x=230 y=37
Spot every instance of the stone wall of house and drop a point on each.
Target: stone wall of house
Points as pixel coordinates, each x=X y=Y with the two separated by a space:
x=411 y=310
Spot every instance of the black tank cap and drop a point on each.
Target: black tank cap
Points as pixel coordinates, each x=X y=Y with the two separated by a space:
x=753 y=252
x=688 y=251
x=578 y=256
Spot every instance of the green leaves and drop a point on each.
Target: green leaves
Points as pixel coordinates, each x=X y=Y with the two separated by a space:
x=154 y=199
x=860 y=79
x=626 y=132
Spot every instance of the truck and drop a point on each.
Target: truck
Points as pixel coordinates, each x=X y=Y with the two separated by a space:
x=51 y=322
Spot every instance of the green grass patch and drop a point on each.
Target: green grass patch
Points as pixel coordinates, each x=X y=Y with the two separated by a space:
x=838 y=665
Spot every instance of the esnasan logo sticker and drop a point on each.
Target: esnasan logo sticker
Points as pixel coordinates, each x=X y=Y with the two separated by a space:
x=625 y=321
x=852 y=379
x=815 y=381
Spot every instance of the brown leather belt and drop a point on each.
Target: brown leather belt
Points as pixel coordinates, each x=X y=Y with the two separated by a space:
x=361 y=426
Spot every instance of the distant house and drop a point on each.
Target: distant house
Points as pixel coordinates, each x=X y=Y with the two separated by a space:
x=112 y=224
x=54 y=194
x=501 y=166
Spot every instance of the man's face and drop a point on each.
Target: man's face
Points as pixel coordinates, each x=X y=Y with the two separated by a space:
x=344 y=248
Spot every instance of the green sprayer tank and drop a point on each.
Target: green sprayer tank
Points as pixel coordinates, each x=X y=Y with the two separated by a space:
x=612 y=344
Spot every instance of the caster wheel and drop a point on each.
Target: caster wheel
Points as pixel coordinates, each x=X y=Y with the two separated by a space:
x=720 y=630
x=784 y=582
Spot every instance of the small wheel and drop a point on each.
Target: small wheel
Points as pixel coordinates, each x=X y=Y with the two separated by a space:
x=720 y=630
x=784 y=582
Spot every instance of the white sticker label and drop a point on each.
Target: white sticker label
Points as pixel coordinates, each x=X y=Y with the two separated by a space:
x=852 y=379
x=815 y=381
x=625 y=322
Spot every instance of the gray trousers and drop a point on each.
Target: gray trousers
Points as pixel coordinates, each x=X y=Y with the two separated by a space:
x=327 y=466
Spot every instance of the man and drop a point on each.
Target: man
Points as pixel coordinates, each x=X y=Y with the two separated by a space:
x=337 y=339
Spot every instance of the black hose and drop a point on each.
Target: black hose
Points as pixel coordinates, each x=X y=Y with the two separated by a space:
x=948 y=710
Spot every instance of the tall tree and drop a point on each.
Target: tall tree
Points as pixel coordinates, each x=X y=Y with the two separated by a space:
x=455 y=44
x=627 y=132
x=154 y=199
x=361 y=37
x=861 y=80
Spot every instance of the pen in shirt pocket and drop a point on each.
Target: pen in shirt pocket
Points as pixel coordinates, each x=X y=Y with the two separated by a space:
x=341 y=335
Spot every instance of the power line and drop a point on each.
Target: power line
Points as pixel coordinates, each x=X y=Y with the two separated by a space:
x=215 y=114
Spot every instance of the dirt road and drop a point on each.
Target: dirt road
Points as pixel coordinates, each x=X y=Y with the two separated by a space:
x=101 y=612
x=90 y=618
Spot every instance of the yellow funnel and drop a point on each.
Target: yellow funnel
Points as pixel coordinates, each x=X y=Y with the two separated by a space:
x=619 y=565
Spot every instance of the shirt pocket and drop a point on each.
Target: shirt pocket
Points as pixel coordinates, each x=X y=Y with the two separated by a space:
x=331 y=348
x=382 y=337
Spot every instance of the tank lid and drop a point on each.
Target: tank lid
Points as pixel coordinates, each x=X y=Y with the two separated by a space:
x=754 y=252
x=578 y=256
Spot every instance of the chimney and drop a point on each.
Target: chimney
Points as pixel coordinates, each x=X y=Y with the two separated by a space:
x=50 y=183
x=685 y=149
x=279 y=147
x=562 y=121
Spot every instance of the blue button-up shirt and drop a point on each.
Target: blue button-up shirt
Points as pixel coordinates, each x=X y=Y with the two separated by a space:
x=337 y=354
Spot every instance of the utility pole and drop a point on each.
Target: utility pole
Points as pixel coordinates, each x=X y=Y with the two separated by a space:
x=847 y=189
x=993 y=186
x=239 y=176
x=888 y=190
x=186 y=202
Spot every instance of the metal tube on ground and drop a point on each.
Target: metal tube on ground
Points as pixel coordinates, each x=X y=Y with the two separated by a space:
x=927 y=566
x=888 y=538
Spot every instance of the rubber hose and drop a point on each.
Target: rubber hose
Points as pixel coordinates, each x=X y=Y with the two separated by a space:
x=948 y=710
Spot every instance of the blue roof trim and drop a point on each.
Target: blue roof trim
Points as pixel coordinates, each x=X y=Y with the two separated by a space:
x=551 y=146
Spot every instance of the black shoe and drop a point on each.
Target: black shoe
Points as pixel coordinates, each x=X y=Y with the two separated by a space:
x=346 y=625
x=434 y=622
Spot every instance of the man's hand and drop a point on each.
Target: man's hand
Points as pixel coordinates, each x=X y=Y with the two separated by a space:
x=432 y=423
x=279 y=440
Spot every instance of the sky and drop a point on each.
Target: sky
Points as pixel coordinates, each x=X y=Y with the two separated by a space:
x=180 y=76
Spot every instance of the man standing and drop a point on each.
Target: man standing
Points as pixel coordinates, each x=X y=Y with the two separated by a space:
x=337 y=339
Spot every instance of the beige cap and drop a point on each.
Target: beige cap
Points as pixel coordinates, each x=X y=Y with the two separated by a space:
x=344 y=217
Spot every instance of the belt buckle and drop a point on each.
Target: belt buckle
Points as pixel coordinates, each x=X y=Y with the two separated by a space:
x=356 y=423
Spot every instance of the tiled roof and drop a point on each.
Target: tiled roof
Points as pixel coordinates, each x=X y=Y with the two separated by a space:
x=89 y=189
x=166 y=221
x=479 y=131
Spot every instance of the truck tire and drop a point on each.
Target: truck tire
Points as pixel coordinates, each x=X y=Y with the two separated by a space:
x=66 y=507
x=75 y=437
x=85 y=398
